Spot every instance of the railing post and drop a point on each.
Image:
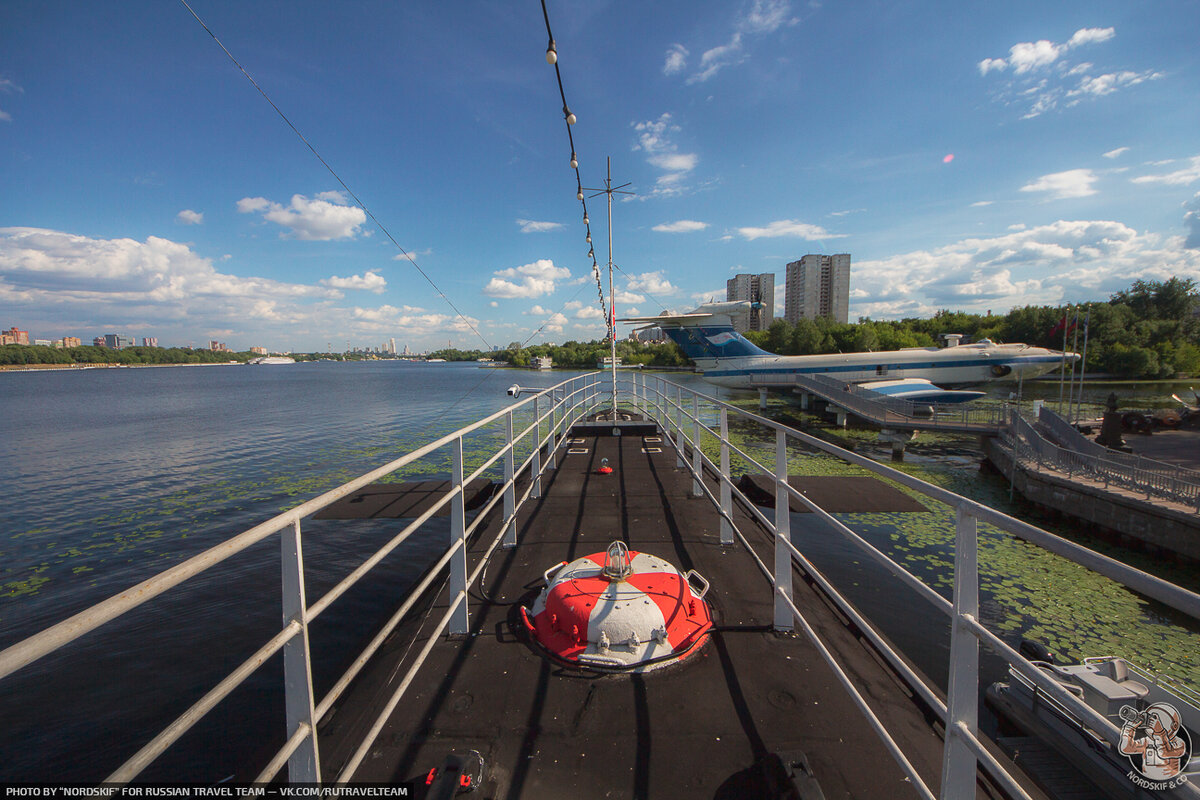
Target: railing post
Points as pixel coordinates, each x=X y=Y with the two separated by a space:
x=304 y=765
x=510 y=489
x=550 y=448
x=697 y=465
x=962 y=697
x=458 y=535
x=536 y=464
x=679 y=462
x=726 y=487
x=783 y=533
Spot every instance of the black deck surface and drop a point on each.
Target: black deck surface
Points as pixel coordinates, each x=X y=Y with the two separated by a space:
x=833 y=493
x=404 y=500
x=692 y=730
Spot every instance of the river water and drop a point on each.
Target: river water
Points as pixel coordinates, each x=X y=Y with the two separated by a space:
x=116 y=474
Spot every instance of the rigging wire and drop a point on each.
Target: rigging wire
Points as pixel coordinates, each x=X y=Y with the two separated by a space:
x=570 y=119
x=338 y=178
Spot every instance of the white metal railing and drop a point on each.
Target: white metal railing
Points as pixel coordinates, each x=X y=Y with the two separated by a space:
x=676 y=409
x=1069 y=437
x=1147 y=478
x=963 y=753
x=568 y=402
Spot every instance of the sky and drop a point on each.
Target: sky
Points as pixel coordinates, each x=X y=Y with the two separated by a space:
x=970 y=156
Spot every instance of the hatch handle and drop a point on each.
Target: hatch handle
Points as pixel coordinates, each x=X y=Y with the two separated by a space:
x=691 y=575
x=550 y=573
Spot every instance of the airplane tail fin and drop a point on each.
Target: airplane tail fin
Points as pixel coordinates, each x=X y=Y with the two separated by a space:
x=707 y=332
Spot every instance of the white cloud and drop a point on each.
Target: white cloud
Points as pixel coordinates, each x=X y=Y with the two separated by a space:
x=554 y=322
x=717 y=58
x=1116 y=153
x=80 y=285
x=676 y=59
x=1090 y=36
x=532 y=226
x=1026 y=56
x=708 y=297
x=371 y=281
x=654 y=138
x=1101 y=85
x=1064 y=185
x=1191 y=220
x=8 y=87
x=189 y=217
x=766 y=16
x=589 y=312
x=763 y=17
x=981 y=203
x=652 y=283
x=532 y=280
x=788 y=227
x=1044 y=264
x=626 y=296
x=1180 y=177
x=248 y=205
x=680 y=226
x=1043 y=78
x=326 y=217
x=990 y=64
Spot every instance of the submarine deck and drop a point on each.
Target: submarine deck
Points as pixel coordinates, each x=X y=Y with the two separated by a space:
x=708 y=727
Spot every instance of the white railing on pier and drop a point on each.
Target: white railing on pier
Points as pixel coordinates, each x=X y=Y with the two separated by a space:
x=687 y=419
x=1153 y=479
x=552 y=411
x=1068 y=436
x=964 y=752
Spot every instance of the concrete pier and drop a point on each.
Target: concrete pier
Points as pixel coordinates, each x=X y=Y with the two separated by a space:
x=1152 y=524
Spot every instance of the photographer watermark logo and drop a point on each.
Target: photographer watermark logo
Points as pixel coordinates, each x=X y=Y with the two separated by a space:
x=1157 y=745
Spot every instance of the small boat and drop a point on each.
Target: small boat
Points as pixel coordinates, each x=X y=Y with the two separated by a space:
x=1138 y=743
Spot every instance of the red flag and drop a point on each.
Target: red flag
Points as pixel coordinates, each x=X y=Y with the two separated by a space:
x=1062 y=323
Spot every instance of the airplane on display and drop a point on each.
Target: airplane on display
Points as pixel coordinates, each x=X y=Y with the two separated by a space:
x=727 y=358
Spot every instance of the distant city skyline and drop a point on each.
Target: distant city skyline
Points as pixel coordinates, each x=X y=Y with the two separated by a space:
x=970 y=156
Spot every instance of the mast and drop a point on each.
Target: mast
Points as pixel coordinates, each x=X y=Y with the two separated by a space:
x=612 y=299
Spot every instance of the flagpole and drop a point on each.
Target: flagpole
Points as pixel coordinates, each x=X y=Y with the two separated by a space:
x=1074 y=348
x=1062 y=373
x=1083 y=363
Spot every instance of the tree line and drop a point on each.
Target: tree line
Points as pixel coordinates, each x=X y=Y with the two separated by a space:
x=1150 y=330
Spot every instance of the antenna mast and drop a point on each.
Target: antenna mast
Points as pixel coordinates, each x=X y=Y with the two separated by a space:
x=610 y=190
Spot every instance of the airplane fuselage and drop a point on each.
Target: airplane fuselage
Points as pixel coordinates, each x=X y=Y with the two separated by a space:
x=964 y=365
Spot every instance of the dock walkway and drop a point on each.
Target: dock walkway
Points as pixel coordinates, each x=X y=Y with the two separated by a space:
x=902 y=415
x=708 y=727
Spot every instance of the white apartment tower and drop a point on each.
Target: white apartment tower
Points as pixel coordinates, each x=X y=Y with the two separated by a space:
x=818 y=286
x=758 y=289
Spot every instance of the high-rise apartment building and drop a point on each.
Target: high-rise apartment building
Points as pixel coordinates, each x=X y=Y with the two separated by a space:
x=14 y=336
x=760 y=291
x=818 y=286
x=149 y=341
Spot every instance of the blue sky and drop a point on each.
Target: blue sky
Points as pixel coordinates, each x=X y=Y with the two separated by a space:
x=970 y=156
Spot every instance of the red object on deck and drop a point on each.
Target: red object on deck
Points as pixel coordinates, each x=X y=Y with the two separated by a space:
x=619 y=610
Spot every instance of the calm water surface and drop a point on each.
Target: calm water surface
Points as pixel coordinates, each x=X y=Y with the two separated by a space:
x=118 y=474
